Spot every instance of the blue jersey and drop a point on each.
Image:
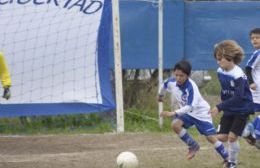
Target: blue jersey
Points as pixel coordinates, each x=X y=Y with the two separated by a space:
x=256 y=124
x=235 y=93
x=189 y=99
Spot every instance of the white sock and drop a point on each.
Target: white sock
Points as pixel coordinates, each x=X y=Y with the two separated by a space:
x=233 y=150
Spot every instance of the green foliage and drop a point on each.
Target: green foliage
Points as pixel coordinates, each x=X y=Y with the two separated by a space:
x=212 y=87
x=81 y=123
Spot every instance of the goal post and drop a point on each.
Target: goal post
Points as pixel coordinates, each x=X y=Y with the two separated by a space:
x=118 y=67
x=160 y=55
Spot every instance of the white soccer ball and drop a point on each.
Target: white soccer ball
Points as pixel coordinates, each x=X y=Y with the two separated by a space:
x=127 y=160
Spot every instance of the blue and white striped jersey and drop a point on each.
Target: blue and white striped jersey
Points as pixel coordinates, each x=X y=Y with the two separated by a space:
x=254 y=63
x=235 y=93
x=189 y=99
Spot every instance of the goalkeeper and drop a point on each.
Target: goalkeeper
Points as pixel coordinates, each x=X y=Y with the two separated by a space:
x=5 y=77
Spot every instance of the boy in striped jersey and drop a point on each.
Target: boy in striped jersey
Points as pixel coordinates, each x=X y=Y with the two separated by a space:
x=194 y=110
x=253 y=68
x=236 y=98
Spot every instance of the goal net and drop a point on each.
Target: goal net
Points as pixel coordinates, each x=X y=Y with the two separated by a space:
x=57 y=55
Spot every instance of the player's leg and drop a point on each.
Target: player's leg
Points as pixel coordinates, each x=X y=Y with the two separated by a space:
x=179 y=126
x=224 y=128
x=207 y=129
x=223 y=131
x=236 y=130
x=219 y=147
x=248 y=133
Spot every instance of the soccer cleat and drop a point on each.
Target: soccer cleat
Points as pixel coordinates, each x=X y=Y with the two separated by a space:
x=229 y=165
x=250 y=139
x=192 y=151
x=225 y=163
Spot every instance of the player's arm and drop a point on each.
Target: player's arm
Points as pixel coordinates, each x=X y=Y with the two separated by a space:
x=5 y=77
x=163 y=90
x=249 y=75
x=249 y=67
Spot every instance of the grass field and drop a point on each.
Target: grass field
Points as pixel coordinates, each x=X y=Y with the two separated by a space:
x=154 y=150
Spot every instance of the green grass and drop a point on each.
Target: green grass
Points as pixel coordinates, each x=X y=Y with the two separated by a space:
x=63 y=124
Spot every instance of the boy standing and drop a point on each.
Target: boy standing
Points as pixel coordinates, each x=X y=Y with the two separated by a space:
x=194 y=110
x=235 y=96
x=253 y=68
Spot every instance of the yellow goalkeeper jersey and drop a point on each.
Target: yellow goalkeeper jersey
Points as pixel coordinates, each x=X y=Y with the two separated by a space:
x=4 y=73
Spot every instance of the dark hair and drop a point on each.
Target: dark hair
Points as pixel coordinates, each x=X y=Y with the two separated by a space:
x=184 y=66
x=254 y=31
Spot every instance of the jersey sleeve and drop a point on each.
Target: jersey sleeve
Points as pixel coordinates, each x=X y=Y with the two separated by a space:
x=164 y=88
x=252 y=62
x=4 y=73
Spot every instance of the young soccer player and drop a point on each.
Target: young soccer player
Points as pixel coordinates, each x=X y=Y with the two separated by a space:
x=235 y=96
x=194 y=110
x=252 y=132
x=5 y=77
x=253 y=68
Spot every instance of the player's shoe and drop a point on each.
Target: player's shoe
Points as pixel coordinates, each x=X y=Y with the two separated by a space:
x=192 y=151
x=229 y=165
x=225 y=163
x=250 y=139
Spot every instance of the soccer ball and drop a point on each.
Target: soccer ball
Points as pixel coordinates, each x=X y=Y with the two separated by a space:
x=127 y=160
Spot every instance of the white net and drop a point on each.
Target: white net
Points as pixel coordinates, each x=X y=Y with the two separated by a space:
x=51 y=50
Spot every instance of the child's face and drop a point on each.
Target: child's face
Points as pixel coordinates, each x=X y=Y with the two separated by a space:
x=255 y=40
x=180 y=76
x=224 y=63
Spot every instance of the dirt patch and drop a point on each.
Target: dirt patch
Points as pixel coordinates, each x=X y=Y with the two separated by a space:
x=100 y=151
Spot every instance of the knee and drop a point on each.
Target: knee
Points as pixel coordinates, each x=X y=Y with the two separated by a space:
x=176 y=127
x=222 y=137
x=232 y=138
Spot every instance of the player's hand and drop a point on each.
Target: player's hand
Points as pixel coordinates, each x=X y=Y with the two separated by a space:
x=7 y=93
x=253 y=86
x=160 y=98
x=167 y=114
x=214 y=112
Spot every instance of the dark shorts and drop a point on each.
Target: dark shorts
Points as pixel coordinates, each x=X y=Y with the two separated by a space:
x=233 y=123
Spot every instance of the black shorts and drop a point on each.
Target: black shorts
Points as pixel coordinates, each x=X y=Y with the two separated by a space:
x=233 y=123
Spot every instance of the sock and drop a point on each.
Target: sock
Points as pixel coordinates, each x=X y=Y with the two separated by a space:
x=233 y=150
x=185 y=137
x=219 y=147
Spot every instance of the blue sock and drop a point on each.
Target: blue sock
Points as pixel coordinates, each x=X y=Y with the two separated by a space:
x=221 y=150
x=185 y=137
